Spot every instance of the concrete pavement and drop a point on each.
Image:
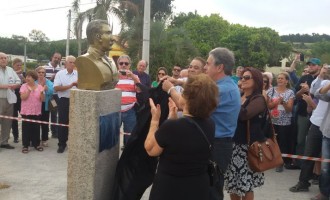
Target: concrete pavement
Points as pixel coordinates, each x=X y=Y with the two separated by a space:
x=42 y=176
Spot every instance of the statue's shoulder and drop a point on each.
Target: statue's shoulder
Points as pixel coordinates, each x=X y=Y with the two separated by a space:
x=86 y=56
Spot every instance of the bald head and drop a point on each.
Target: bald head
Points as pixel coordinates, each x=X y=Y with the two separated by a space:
x=142 y=66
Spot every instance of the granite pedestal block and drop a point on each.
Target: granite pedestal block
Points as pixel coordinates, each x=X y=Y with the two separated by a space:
x=93 y=145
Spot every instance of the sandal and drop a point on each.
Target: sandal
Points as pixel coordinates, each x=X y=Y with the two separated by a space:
x=39 y=148
x=44 y=143
x=25 y=150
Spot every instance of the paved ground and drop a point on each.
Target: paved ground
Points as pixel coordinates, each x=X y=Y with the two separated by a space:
x=42 y=176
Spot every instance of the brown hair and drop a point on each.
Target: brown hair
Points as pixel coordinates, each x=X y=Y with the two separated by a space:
x=33 y=74
x=161 y=68
x=257 y=77
x=16 y=60
x=287 y=77
x=200 y=93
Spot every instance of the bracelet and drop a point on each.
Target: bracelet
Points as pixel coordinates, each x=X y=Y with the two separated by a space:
x=169 y=90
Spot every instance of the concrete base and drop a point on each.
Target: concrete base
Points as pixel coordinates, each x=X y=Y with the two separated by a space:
x=90 y=172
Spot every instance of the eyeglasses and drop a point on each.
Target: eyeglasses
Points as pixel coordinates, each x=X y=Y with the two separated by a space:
x=177 y=70
x=124 y=63
x=246 y=77
x=161 y=74
x=41 y=72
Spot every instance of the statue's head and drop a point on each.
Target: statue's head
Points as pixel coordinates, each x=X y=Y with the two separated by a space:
x=99 y=35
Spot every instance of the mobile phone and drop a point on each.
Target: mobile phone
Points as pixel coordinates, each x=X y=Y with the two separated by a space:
x=123 y=73
x=302 y=57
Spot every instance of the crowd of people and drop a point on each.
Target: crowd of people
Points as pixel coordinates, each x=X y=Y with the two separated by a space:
x=208 y=106
x=34 y=95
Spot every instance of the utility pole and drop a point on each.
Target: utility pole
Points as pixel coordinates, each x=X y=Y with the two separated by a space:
x=68 y=34
x=146 y=33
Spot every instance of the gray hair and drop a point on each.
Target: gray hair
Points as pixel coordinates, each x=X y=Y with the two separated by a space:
x=40 y=67
x=70 y=57
x=223 y=56
x=124 y=56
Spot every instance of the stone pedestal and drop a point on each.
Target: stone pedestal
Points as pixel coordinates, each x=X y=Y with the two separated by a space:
x=91 y=161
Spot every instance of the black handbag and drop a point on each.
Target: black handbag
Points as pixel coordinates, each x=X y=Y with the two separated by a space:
x=213 y=168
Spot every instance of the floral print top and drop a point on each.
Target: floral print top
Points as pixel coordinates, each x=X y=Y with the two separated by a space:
x=278 y=113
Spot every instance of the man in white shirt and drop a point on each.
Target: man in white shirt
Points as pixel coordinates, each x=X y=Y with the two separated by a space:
x=65 y=80
x=9 y=81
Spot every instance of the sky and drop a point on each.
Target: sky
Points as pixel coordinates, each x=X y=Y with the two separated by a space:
x=19 y=17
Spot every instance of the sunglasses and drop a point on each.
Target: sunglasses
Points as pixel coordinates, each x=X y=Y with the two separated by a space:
x=124 y=63
x=161 y=74
x=246 y=77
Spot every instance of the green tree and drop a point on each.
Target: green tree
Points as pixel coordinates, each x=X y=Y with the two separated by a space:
x=206 y=32
x=179 y=19
x=321 y=50
x=38 y=36
x=255 y=46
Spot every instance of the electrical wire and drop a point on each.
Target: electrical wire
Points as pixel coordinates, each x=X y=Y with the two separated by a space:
x=47 y=9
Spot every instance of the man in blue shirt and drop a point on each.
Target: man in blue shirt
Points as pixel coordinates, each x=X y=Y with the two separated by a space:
x=219 y=66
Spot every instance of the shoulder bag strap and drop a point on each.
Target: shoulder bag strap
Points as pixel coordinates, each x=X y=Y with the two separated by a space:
x=248 y=136
x=201 y=130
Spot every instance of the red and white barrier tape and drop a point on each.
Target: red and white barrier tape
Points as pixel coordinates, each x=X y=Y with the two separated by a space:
x=305 y=158
x=31 y=120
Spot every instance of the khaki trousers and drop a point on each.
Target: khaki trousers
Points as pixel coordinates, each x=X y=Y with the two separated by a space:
x=7 y=110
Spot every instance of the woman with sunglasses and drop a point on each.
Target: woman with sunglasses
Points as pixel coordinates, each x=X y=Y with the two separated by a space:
x=49 y=90
x=280 y=102
x=265 y=85
x=161 y=72
x=240 y=180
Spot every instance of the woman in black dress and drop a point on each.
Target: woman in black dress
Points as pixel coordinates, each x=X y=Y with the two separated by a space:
x=240 y=180
x=182 y=149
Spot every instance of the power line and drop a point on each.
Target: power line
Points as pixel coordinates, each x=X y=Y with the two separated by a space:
x=46 y=9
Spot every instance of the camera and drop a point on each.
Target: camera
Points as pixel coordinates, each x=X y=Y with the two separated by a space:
x=123 y=73
x=302 y=57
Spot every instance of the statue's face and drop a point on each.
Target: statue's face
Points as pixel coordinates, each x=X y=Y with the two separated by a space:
x=106 y=40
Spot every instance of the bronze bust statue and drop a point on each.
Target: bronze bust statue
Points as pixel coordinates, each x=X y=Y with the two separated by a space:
x=95 y=70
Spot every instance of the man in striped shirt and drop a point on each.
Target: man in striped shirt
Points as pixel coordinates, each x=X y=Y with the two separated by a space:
x=51 y=69
x=128 y=85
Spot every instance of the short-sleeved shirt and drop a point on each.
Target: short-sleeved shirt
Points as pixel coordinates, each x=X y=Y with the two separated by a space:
x=186 y=152
x=226 y=114
x=128 y=92
x=63 y=78
x=8 y=76
x=31 y=105
x=279 y=115
x=50 y=70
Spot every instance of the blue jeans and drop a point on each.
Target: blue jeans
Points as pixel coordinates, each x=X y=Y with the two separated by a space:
x=325 y=168
x=128 y=119
x=222 y=152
